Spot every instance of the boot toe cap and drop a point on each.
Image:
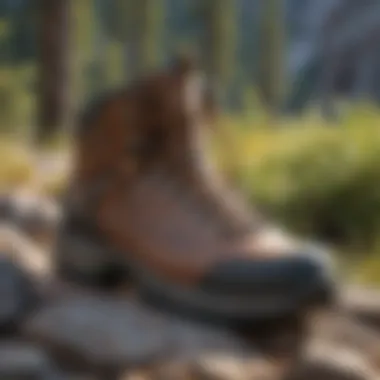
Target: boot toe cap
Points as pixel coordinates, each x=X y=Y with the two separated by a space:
x=294 y=275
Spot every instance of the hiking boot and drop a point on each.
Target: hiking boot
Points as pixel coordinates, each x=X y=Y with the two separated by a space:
x=145 y=202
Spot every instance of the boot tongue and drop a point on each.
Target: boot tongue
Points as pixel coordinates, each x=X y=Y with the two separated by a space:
x=185 y=155
x=191 y=165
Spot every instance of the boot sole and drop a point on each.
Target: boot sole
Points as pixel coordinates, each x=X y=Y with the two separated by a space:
x=233 y=310
x=91 y=264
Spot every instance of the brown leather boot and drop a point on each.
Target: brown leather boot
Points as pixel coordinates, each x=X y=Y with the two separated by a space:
x=146 y=202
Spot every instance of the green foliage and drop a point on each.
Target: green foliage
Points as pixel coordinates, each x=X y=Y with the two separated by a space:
x=117 y=17
x=366 y=271
x=82 y=54
x=136 y=22
x=318 y=180
x=17 y=103
x=15 y=170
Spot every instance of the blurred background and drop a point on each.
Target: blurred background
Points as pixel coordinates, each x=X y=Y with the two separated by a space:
x=299 y=82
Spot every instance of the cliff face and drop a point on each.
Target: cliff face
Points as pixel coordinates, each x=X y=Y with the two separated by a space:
x=332 y=48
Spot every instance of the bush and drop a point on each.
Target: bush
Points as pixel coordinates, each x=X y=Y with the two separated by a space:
x=19 y=167
x=320 y=181
x=15 y=170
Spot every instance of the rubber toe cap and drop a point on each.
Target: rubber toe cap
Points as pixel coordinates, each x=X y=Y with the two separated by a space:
x=291 y=275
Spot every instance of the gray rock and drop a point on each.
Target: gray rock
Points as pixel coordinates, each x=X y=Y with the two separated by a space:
x=233 y=367
x=345 y=331
x=211 y=366
x=364 y=304
x=327 y=362
x=24 y=252
x=17 y=294
x=36 y=216
x=174 y=369
x=6 y=208
x=190 y=338
x=107 y=332
x=22 y=361
x=100 y=332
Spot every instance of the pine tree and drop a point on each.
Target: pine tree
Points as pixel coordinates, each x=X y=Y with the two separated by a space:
x=138 y=25
x=271 y=55
x=53 y=66
x=218 y=42
x=97 y=66
x=81 y=52
x=151 y=24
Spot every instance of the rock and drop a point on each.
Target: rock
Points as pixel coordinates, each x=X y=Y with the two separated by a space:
x=346 y=331
x=36 y=216
x=210 y=366
x=30 y=258
x=20 y=249
x=107 y=332
x=191 y=338
x=174 y=369
x=6 y=208
x=142 y=375
x=22 y=361
x=322 y=361
x=17 y=295
x=100 y=332
x=233 y=367
x=364 y=304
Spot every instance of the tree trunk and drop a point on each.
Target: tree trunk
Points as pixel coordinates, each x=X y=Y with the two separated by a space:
x=150 y=32
x=99 y=76
x=271 y=79
x=53 y=67
x=219 y=44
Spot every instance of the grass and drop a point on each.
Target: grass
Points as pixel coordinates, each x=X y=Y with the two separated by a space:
x=20 y=169
x=16 y=170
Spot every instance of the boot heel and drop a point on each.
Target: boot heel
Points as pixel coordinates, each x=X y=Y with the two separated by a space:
x=86 y=261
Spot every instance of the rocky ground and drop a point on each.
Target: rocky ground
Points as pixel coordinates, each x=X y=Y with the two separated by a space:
x=53 y=330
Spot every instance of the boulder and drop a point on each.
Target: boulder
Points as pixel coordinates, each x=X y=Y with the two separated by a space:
x=345 y=331
x=363 y=303
x=17 y=295
x=34 y=215
x=322 y=361
x=23 y=361
x=101 y=332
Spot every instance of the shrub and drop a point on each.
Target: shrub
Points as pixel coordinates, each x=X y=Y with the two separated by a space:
x=15 y=169
x=320 y=181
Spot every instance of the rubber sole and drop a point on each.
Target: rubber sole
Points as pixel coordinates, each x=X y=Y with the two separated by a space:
x=90 y=263
x=230 y=310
